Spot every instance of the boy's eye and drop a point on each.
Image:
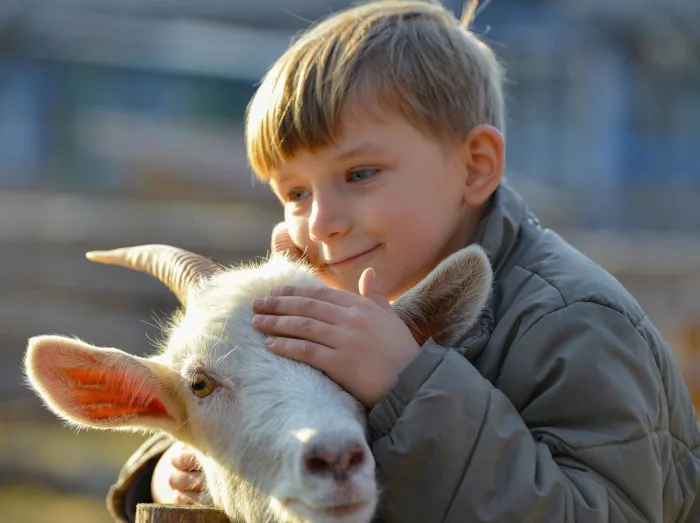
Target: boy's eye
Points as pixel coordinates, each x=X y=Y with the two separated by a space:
x=297 y=195
x=361 y=174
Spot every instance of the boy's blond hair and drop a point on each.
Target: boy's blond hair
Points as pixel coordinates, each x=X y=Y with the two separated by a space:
x=411 y=57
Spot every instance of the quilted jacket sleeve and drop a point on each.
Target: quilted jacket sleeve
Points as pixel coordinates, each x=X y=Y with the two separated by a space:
x=576 y=430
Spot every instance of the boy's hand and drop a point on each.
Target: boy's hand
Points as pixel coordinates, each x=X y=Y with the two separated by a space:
x=357 y=340
x=177 y=478
x=281 y=241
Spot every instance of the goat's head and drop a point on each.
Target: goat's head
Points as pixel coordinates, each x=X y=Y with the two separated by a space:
x=277 y=439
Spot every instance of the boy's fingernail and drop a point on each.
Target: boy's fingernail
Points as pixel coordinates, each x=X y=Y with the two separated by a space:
x=269 y=340
x=258 y=302
x=275 y=292
x=258 y=319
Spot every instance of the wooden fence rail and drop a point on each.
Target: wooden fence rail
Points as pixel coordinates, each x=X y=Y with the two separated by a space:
x=155 y=513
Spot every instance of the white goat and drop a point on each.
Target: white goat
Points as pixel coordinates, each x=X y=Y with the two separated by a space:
x=278 y=440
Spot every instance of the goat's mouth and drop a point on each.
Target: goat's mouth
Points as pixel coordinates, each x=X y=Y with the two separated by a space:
x=340 y=512
x=343 y=510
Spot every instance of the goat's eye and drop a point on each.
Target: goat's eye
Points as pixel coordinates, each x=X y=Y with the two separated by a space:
x=202 y=385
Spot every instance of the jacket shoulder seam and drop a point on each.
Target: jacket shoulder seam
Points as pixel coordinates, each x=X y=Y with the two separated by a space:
x=545 y=280
x=635 y=321
x=634 y=324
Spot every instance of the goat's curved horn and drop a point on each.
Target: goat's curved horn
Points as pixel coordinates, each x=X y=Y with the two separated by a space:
x=177 y=268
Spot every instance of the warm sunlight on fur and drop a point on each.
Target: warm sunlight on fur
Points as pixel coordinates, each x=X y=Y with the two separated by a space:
x=266 y=429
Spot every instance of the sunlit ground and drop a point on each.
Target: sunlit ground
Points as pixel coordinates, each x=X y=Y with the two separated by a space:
x=49 y=473
x=34 y=504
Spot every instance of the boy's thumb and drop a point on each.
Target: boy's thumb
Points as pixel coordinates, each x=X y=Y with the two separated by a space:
x=282 y=242
x=369 y=287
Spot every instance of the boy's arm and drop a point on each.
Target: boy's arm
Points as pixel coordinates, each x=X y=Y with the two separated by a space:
x=133 y=486
x=585 y=438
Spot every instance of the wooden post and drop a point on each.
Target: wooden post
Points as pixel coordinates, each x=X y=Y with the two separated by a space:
x=156 y=513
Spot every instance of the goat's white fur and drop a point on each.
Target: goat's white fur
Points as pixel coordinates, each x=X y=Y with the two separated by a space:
x=250 y=432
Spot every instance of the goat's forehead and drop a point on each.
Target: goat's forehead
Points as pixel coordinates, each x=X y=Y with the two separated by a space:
x=209 y=338
x=219 y=314
x=229 y=290
x=248 y=280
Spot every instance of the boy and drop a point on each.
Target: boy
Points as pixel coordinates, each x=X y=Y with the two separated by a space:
x=380 y=130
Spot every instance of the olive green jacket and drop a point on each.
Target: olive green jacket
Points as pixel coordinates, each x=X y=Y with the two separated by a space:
x=562 y=404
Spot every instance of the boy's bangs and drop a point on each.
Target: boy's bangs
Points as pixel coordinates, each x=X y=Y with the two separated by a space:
x=299 y=108
x=306 y=111
x=408 y=58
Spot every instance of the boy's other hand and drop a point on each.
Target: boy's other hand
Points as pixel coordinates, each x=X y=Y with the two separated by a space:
x=177 y=478
x=281 y=241
x=357 y=340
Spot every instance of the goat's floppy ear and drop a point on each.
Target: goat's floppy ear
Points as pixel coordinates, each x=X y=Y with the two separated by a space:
x=453 y=294
x=102 y=388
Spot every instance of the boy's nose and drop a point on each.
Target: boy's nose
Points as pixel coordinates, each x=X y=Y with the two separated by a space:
x=328 y=218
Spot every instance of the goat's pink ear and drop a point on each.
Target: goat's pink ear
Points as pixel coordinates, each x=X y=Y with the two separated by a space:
x=101 y=388
x=447 y=302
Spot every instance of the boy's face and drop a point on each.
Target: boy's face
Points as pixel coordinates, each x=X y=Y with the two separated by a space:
x=383 y=196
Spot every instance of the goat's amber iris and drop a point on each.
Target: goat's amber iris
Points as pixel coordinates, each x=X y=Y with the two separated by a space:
x=202 y=385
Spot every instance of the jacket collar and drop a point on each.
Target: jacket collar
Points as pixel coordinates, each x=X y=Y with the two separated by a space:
x=499 y=230
x=499 y=233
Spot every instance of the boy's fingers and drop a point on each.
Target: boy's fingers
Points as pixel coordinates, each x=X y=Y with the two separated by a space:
x=298 y=306
x=185 y=482
x=307 y=352
x=184 y=499
x=296 y=327
x=328 y=294
x=185 y=460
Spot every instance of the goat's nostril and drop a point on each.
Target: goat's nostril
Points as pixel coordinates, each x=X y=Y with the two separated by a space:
x=340 y=465
x=357 y=457
x=351 y=459
x=318 y=464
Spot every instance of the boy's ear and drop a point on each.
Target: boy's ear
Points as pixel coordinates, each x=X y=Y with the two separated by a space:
x=103 y=388
x=453 y=294
x=484 y=156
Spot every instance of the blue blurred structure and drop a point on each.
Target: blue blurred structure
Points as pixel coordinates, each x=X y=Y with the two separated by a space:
x=114 y=96
x=121 y=122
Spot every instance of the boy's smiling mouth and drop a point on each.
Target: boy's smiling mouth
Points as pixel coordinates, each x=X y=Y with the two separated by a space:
x=339 y=262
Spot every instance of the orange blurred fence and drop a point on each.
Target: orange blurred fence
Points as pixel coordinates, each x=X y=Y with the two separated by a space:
x=689 y=360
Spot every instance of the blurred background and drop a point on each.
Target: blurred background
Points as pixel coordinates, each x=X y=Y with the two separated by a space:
x=121 y=122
